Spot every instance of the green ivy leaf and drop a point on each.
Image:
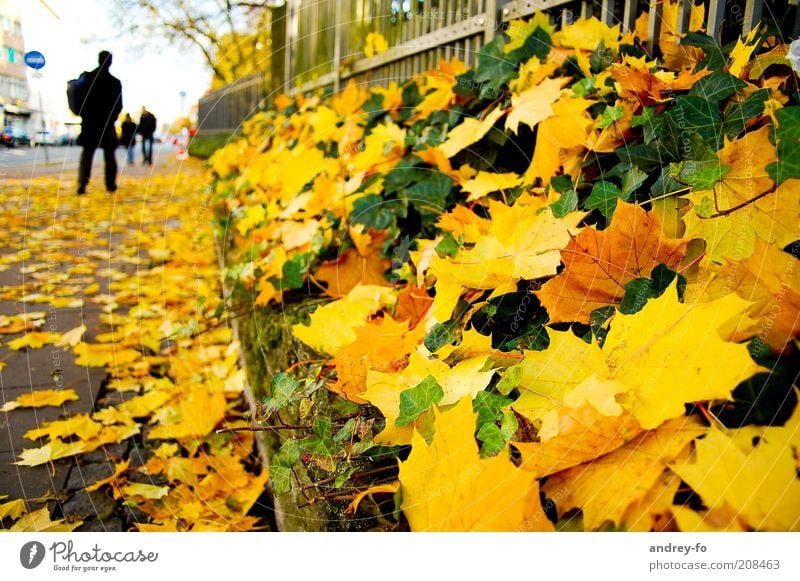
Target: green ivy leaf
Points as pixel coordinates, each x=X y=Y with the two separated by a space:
x=702 y=175
x=280 y=466
x=565 y=204
x=441 y=334
x=281 y=388
x=788 y=145
x=604 y=197
x=737 y=116
x=610 y=115
x=717 y=86
x=631 y=180
x=418 y=399
x=698 y=115
x=429 y=196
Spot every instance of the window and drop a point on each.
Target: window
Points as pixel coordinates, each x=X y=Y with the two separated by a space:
x=11 y=55
x=17 y=28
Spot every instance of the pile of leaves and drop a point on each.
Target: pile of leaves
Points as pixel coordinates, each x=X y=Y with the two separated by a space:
x=148 y=260
x=563 y=285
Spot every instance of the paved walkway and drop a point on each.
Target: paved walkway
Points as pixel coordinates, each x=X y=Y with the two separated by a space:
x=60 y=258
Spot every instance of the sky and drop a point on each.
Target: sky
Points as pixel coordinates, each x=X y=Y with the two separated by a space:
x=70 y=43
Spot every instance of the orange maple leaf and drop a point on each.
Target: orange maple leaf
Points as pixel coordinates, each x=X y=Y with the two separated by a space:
x=599 y=263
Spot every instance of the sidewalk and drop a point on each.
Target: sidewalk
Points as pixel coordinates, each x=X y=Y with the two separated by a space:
x=115 y=264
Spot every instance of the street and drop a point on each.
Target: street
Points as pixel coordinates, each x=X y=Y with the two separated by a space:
x=23 y=161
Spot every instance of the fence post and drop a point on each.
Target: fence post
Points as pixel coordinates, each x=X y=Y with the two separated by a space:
x=716 y=12
x=492 y=19
x=752 y=15
x=607 y=12
x=337 y=41
x=654 y=25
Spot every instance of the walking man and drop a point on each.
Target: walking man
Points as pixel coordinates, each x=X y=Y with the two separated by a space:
x=128 y=136
x=101 y=107
x=147 y=127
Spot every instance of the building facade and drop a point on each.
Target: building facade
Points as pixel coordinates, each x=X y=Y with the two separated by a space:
x=15 y=109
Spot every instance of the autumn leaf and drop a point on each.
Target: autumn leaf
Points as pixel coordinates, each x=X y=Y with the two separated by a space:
x=362 y=265
x=770 y=281
x=584 y=434
x=39 y=521
x=744 y=205
x=605 y=488
x=598 y=264
x=522 y=244
x=753 y=471
x=487 y=182
x=41 y=398
x=469 y=131
x=385 y=389
x=382 y=346
x=375 y=43
x=54 y=450
x=378 y=489
x=12 y=509
x=333 y=325
x=446 y=486
x=534 y=104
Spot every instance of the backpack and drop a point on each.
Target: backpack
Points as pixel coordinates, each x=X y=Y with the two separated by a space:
x=77 y=91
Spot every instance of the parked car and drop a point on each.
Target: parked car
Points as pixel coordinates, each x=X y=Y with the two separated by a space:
x=45 y=138
x=12 y=136
x=67 y=139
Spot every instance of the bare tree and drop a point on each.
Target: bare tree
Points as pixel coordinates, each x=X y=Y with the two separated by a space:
x=230 y=34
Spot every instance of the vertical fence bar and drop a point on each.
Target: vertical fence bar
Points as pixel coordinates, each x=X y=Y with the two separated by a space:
x=654 y=25
x=629 y=15
x=684 y=13
x=752 y=14
x=339 y=10
x=586 y=9
x=490 y=15
x=716 y=12
x=607 y=12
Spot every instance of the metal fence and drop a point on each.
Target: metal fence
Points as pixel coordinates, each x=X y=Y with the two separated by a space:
x=321 y=43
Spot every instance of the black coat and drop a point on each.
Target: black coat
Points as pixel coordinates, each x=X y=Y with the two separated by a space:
x=147 y=125
x=128 y=136
x=102 y=107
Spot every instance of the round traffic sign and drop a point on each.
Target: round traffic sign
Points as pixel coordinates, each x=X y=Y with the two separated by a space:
x=34 y=59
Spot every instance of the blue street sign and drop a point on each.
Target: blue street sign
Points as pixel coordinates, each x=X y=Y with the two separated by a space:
x=34 y=59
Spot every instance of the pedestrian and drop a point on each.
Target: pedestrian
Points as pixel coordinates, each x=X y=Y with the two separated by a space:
x=101 y=107
x=128 y=137
x=147 y=127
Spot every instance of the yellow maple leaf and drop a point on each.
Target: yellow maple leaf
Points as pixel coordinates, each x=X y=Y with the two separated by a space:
x=519 y=30
x=41 y=398
x=375 y=43
x=143 y=490
x=487 y=182
x=534 y=104
x=465 y=378
x=39 y=521
x=193 y=416
x=72 y=337
x=741 y=53
x=560 y=138
x=587 y=34
x=755 y=475
x=119 y=468
x=53 y=450
x=32 y=340
x=745 y=204
x=253 y=216
x=12 y=509
x=448 y=487
x=523 y=243
x=332 y=325
x=606 y=488
x=469 y=131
